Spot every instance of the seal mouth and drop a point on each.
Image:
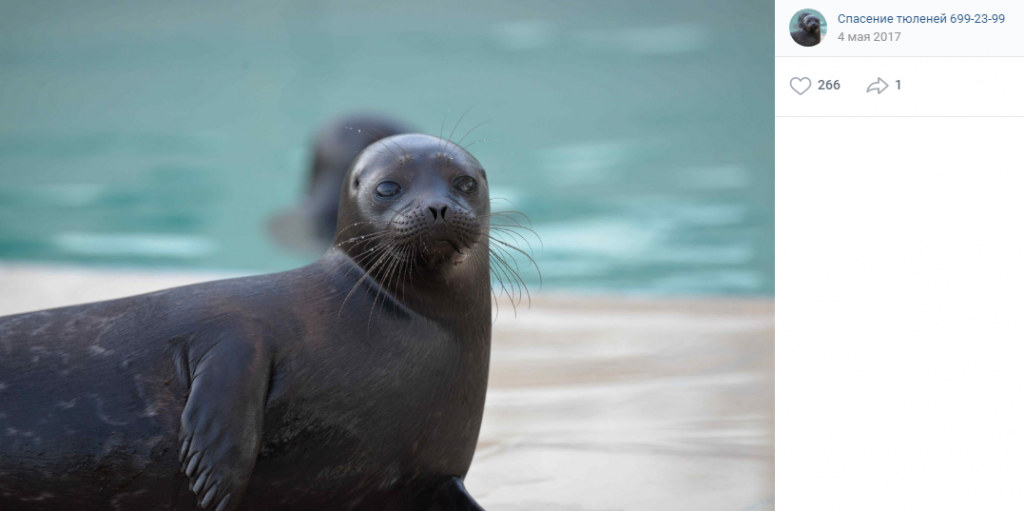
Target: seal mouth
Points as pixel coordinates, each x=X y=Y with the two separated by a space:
x=442 y=243
x=445 y=236
x=444 y=251
x=444 y=246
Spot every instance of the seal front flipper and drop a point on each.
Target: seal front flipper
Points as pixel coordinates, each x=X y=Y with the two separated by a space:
x=222 y=424
x=452 y=496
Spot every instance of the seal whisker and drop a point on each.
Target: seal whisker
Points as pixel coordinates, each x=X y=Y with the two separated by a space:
x=501 y=283
x=499 y=260
x=503 y=247
x=440 y=136
x=505 y=253
x=399 y=259
x=516 y=229
x=356 y=264
x=386 y=261
x=532 y=261
x=491 y=273
x=382 y=282
x=510 y=232
x=515 y=225
x=521 y=287
x=511 y=286
x=508 y=220
x=506 y=288
x=384 y=143
x=508 y=214
x=389 y=152
x=456 y=127
x=403 y=271
x=357 y=130
x=359 y=238
x=365 y=238
x=387 y=278
x=363 y=256
x=359 y=282
x=384 y=135
x=471 y=131
x=366 y=274
x=520 y=283
x=514 y=275
x=511 y=228
x=407 y=272
x=465 y=148
x=497 y=308
x=350 y=226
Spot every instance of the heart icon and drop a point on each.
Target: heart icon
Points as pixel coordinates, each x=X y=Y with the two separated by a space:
x=800 y=85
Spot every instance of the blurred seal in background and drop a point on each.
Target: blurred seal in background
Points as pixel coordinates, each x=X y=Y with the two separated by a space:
x=309 y=226
x=809 y=33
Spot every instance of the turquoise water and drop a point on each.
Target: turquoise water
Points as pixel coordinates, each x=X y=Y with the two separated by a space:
x=638 y=137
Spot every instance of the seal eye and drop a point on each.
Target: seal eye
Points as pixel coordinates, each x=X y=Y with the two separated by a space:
x=388 y=189
x=465 y=184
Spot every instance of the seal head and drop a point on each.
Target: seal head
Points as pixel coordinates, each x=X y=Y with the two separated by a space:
x=810 y=24
x=417 y=201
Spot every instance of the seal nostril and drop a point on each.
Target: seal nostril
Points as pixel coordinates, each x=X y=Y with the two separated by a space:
x=438 y=210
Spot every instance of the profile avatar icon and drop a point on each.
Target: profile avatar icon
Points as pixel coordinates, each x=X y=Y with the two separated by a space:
x=808 y=28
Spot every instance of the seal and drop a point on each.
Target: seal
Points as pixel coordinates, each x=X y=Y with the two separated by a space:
x=357 y=382
x=310 y=225
x=810 y=30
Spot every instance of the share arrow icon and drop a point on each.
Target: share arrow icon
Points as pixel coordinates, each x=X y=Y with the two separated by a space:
x=879 y=86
